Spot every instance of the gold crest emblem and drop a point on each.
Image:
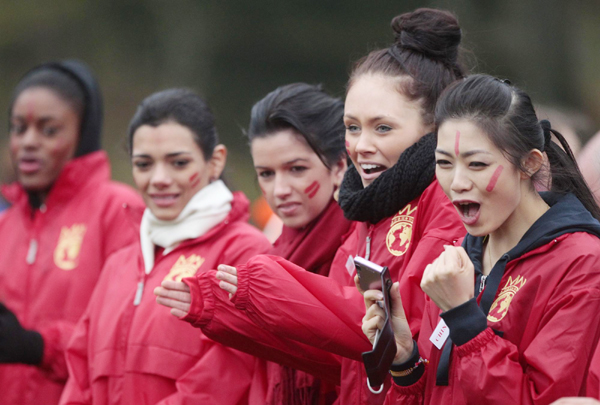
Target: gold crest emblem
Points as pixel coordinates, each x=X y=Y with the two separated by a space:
x=67 y=250
x=185 y=267
x=499 y=308
x=400 y=233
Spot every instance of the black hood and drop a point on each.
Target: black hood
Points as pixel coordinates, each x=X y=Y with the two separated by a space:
x=91 y=124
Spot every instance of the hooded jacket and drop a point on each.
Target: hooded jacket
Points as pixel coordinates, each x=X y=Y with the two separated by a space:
x=534 y=344
x=123 y=353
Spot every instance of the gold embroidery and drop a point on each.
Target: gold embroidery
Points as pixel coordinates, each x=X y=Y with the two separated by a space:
x=67 y=250
x=499 y=308
x=185 y=267
x=400 y=233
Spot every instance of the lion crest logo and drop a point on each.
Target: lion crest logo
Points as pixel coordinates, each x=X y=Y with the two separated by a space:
x=66 y=254
x=185 y=267
x=400 y=233
x=499 y=308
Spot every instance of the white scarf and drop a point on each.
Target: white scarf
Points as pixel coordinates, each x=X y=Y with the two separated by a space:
x=207 y=208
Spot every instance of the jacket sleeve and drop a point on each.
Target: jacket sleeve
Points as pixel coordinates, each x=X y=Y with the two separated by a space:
x=77 y=391
x=222 y=376
x=212 y=311
x=326 y=315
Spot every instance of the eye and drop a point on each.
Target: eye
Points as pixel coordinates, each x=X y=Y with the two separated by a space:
x=17 y=129
x=298 y=169
x=265 y=174
x=50 y=130
x=141 y=164
x=180 y=163
x=478 y=165
x=382 y=128
x=442 y=163
x=352 y=128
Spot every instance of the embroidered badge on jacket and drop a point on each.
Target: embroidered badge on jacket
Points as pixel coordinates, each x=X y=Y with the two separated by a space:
x=185 y=267
x=499 y=308
x=67 y=250
x=400 y=233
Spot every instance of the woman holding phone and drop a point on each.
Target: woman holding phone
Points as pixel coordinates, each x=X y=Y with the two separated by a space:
x=125 y=349
x=514 y=295
x=405 y=218
x=297 y=146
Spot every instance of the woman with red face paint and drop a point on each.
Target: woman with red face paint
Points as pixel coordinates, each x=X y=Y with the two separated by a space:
x=298 y=151
x=405 y=218
x=66 y=218
x=127 y=350
x=512 y=313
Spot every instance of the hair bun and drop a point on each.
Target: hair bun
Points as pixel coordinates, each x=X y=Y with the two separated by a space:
x=433 y=33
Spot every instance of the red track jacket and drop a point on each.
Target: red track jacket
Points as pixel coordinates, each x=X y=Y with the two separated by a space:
x=123 y=353
x=50 y=261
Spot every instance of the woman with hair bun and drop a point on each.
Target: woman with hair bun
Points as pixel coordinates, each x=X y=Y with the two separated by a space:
x=512 y=312
x=405 y=218
x=125 y=349
x=297 y=146
x=67 y=217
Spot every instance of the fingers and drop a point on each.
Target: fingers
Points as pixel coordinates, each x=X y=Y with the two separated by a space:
x=175 y=285
x=372 y=296
x=230 y=288
x=227 y=276
x=357 y=284
x=174 y=304
x=576 y=401
x=176 y=295
x=397 y=307
x=178 y=313
x=227 y=269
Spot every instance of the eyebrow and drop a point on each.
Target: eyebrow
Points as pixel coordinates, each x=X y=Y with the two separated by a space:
x=42 y=120
x=377 y=118
x=464 y=154
x=289 y=162
x=169 y=155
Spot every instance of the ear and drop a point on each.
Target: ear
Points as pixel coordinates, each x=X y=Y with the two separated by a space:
x=217 y=162
x=532 y=163
x=337 y=172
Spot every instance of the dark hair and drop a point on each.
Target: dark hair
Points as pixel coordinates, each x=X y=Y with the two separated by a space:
x=426 y=50
x=182 y=106
x=507 y=116
x=64 y=85
x=309 y=111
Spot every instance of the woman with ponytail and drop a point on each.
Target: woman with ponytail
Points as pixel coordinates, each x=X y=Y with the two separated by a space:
x=512 y=312
x=405 y=218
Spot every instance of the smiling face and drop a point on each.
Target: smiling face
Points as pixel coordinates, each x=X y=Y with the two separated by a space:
x=380 y=124
x=169 y=168
x=44 y=131
x=485 y=188
x=295 y=182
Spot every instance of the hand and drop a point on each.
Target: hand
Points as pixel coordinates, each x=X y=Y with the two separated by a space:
x=228 y=277
x=449 y=280
x=375 y=317
x=576 y=401
x=175 y=295
x=18 y=345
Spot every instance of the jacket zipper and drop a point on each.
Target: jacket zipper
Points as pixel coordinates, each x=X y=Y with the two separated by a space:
x=482 y=283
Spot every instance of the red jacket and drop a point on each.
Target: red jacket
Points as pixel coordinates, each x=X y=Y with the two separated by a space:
x=51 y=259
x=546 y=309
x=123 y=353
x=314 y=247
x=593 y=381
x=327 y=313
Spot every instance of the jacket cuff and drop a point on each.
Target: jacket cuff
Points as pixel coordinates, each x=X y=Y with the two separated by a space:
x=465 y=322
x=52 y=356
x=476 y=344
x=197 y=304
x=241 y=296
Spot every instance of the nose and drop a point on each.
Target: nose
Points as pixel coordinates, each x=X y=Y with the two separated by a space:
x=282 y=188
x=460 y=180
x=30 y=138
x=161 y=178
x=364 y=143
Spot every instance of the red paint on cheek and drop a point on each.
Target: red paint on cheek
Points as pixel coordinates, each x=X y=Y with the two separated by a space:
x=348 y=147
x=312 y=189
x=456 y=143
x=195 y=179
x=494 y=179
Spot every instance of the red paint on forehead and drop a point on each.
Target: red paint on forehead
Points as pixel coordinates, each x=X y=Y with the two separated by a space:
x=312 y=189
x=494 y=179
x=456 y=143
x=30 y=113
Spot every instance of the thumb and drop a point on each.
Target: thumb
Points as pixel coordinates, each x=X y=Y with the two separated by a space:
x=397 y=308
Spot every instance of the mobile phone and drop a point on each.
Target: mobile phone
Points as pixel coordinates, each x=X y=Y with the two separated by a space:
x=378 y=361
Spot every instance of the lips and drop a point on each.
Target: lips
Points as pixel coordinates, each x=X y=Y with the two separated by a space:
x=288 y=208
x=29 y=165
x=469 y=211
x=370 y=170
x=164 y=200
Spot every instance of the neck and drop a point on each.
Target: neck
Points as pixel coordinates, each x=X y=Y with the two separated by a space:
x=37 y=198
x=507 y=236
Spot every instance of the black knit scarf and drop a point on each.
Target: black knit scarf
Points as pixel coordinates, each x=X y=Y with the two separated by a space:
x=394 y=188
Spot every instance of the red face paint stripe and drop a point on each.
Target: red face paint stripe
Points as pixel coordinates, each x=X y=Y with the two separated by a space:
x=494 y=179
x=456 y=143
x=194 y=179
x=311 y=187
x=314 y=192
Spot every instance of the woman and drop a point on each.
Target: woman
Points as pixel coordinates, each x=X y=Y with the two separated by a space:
x=516 y=334
x=405 y=219
x=125 y=350
x=296 y=142
x=67 y=217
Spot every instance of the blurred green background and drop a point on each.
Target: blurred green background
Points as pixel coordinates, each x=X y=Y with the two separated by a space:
x=233 y=52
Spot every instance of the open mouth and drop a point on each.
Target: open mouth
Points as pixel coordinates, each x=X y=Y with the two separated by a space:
x=369 y=168
x=469 y=211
